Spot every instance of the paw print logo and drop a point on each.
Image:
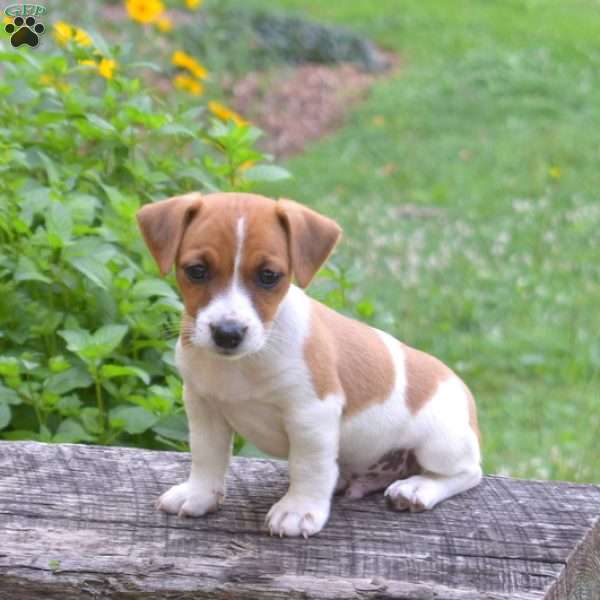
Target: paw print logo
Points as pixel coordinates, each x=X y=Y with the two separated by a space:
x=24 y=31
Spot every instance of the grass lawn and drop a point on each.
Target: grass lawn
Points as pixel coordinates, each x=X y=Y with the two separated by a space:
x=492 y=123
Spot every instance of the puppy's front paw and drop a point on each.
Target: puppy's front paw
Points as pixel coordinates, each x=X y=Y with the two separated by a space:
x=293 y=517
x=190 y=499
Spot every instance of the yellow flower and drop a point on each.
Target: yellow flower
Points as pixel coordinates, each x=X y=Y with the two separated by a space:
x=193 y=4
x=183 y=82
x=181 y=59
x=144 y=11
x=224 y=113
x=107 y=67
x=199 y=71
x=88 y=63
x=185 y=61
x=164 y=24
x=246 y=165
x=50 y=81
x=63 y=32
x=82 y=37
x=555 y=172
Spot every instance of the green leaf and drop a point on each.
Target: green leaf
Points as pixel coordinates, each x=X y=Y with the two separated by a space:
x=133 y=419
x=71 y=431
x=9 y=396
x=35 y=201
x=109 y=371
x=107 y=338
x=91 y=246
x=173 y=427
x=27 y=271
x=77 y=339
x=91 y=419
x=9 y=366
x=266 y=173
x=64 y=382
x=51 y=170
x=69 y=405
x=83 y=207
x=58 y=364
x=176 y=129
x=59 y=224
x=153 y=287
x=365 y=309
x=94 y=270
x=5 y=415
x=100 y=122
x=125 y=206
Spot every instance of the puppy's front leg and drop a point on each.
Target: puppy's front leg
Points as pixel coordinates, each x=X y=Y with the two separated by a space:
x=313 y=432
x=210 y=443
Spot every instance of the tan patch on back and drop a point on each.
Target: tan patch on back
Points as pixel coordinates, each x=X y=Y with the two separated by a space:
x=424 y=373
x=343 y=353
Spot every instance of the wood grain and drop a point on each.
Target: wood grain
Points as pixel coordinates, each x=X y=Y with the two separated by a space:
x=79 y=522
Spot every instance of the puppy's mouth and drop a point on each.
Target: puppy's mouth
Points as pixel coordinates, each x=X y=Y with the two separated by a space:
x=235 y=353
x=230 y=353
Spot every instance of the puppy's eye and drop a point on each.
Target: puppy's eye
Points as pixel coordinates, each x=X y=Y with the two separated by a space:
x=267 y=278
x=196 y=273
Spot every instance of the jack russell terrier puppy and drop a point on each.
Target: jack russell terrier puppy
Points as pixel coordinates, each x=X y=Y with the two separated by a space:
x=351 y=408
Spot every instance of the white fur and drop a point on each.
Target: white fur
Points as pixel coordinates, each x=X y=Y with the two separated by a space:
x=267 y=396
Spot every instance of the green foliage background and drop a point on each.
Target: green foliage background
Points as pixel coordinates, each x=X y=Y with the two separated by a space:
x=87 y=328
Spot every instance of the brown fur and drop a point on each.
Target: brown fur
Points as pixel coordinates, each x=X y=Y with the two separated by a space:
x=211 y=239
x=343 y=354
x=163 y=225
x=311 y=236
x=423 y=375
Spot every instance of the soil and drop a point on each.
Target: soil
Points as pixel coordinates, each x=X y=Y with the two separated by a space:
x=297 y=105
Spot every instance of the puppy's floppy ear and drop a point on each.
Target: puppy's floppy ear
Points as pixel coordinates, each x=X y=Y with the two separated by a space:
x=163 y=224
x=311 y=238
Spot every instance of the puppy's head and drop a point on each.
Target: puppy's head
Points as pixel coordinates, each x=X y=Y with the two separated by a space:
x=235 y=256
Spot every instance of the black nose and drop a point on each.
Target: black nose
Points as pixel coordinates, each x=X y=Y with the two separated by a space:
x=228 y=334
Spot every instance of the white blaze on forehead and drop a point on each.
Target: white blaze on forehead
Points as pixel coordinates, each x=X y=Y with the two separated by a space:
x=234 y=302
x=240 y=235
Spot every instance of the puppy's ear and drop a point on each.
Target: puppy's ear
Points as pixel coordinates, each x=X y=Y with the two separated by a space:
x=311 y=238
x=163 y=224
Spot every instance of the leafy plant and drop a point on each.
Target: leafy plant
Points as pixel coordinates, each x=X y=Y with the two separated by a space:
x=86 y=327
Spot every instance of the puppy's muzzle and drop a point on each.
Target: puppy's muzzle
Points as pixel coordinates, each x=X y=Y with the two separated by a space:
x=228 y=334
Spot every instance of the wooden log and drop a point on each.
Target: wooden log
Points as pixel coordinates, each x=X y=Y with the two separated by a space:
x=79 y=522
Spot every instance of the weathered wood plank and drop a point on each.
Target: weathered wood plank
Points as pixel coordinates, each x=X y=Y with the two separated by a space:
x=79 y=521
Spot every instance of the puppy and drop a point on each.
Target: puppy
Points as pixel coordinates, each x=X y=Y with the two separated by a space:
x=351 y=408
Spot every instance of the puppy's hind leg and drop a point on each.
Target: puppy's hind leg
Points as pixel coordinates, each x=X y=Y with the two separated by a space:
x=423 y=492
x=448 y=453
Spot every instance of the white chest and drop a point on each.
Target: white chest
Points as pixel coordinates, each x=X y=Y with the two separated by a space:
x=253 y=395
